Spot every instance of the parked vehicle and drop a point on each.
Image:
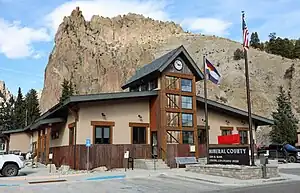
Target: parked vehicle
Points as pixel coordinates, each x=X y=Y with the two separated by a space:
x=10 y=164
x=280 y=151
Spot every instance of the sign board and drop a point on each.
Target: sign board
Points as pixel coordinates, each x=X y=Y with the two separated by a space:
x=87 y=142
x=229 y=139
x=126 y=155
x=50 y=155
x=236 y=155
x=192 y=148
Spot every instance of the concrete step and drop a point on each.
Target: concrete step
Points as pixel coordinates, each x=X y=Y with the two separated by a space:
x=150 y=164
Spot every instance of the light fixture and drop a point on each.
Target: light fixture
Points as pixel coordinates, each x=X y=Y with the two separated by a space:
x=103 y=114
x=227 y=122
x=140 y=116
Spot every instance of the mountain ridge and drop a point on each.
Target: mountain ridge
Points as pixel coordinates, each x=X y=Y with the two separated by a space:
x=100 y=55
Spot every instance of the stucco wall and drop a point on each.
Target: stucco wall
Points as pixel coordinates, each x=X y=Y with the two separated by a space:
x=20 y=141
x=119 y=111
x=216 y=120
x=63 y=131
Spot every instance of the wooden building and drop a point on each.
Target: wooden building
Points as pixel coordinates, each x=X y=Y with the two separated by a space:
x=159 y=110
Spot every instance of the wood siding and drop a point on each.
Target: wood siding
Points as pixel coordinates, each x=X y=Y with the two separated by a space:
x=111 y=156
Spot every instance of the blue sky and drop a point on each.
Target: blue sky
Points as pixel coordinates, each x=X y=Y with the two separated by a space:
x=27 y=27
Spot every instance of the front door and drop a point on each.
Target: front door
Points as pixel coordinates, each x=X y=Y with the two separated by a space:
x=154 y=143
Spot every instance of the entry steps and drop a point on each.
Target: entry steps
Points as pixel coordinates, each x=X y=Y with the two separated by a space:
x=150 y=164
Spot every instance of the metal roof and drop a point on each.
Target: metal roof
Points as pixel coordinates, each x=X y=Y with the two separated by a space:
x=13 y=131
x=46 y=117
x=259 y=120
x=161 y=63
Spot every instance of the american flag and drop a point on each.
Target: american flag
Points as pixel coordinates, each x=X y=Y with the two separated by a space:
x=245 y=33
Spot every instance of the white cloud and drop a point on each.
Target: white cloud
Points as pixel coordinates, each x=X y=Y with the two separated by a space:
x=209 y=26
x=150 y=8
x=16 y=41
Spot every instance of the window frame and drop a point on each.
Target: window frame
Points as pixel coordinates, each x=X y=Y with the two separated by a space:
x=167 y=119
x=193 y=135
x=243 y=130
x=136 y=124
x=192 y=120
x=132 y=135
x=102 y=132
x=173 y=141
x=184 y=102
x=191 y=85
x=109 y=124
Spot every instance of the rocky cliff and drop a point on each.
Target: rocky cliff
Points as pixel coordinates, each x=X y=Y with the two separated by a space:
x=5 y=94
x=101 y=54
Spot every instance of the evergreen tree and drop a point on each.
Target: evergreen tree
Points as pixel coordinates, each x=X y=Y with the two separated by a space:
x=32 y=107
x=285 y=123
x=7 y=118
x=254 y=40
x=296 y=52
x=20 y=110
x=67 y=90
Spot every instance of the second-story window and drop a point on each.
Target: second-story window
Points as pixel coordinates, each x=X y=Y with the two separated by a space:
x=186 y=85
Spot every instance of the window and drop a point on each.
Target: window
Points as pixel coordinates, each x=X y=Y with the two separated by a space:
x=201 y=136
x=139 y=135
x=243 y=136
x=71 y=135
x=172 y=101
x=187 y=102
x=172 y=82
x=172 y=119
x=173 y=136
x=102 y=135
x=153 y=84
x=188 y=137
x=144 y=87
x=226 y=131
x=186 y=85
x=187 y=120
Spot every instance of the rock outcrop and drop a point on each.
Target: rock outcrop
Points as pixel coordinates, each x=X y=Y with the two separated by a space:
x=5 y=94
x=101 y=54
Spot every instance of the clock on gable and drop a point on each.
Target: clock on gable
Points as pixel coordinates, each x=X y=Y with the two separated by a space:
x=178 y=65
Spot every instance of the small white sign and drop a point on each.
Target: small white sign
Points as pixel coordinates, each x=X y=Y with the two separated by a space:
x=192 y=148
x=126 y=155
x=50 y=156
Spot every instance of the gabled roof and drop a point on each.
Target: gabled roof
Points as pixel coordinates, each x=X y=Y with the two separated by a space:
x=161 y=63
x=258 y=120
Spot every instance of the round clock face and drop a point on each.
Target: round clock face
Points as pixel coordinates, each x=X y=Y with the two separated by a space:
x=178 y=65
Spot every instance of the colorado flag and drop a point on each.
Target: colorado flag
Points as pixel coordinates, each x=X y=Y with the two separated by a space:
x=213 y=74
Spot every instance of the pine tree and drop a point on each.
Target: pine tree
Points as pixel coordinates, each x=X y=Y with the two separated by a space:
x=296 y=52
x=20 y=110
x=285 y=122
x=67 y=90
x=7 y=118
x=254 y=40
x=32 y=106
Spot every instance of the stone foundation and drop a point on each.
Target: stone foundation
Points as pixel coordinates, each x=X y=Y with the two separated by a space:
x=234 y=171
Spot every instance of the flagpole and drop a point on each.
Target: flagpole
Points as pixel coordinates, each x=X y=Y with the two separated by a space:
x=205 y=111
x=248 y=97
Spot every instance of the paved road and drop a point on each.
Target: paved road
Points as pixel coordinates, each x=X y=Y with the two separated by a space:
x=288 y=187
x=145 y=185
x=294 y=171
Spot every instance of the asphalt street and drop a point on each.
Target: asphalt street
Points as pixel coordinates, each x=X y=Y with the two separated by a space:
x=287 y=187
x=138 y=185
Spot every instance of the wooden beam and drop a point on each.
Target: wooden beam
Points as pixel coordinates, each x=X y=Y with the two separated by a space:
x=134 y=124
x=102 y=123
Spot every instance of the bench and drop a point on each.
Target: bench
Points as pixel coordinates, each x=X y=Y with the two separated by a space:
x=185 y=160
